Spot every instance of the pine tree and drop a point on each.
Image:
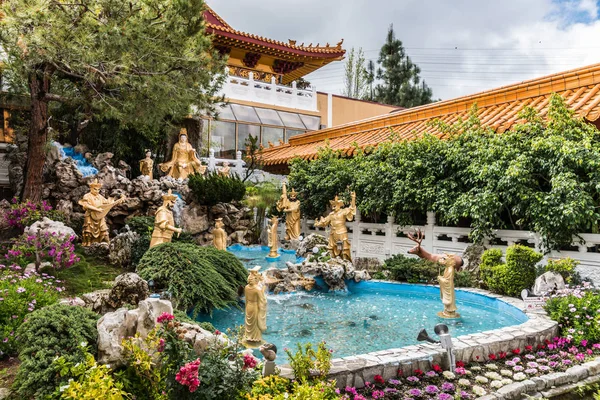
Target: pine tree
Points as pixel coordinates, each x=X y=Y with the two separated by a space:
x=356 y=76
x=401 y=84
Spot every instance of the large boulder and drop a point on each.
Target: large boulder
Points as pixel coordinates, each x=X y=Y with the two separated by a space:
x=113 y=327
x=309 y=243
x=548 y=282
x=120 y=248
x=149 y=311
x=195 y=219
x=129 y=288
x=46 y=225
x=97 y=301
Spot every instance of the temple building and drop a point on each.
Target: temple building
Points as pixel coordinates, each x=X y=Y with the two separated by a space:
x=497 y=108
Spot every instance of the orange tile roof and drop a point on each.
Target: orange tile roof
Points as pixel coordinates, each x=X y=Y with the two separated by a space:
x=497 y=108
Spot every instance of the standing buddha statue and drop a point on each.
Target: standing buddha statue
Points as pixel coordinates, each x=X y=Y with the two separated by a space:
x=164 y=224
x=255 y=322
x=337 y=221
x=291 y=207
x=183 y=161
x=96 y=208
x=219 y=235
x=147 y=164
x=273 y=239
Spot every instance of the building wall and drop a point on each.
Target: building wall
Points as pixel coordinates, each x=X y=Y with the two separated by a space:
x=346 y=110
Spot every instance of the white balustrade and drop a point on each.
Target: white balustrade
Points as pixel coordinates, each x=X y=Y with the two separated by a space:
x=248 y=89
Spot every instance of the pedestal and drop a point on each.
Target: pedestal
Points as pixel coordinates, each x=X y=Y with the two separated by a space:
x=268 y=368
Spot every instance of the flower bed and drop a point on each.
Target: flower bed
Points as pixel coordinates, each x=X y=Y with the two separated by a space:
x=478 y=379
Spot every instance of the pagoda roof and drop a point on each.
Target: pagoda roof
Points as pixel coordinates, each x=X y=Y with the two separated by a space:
x=312 y=57
x=498 y=109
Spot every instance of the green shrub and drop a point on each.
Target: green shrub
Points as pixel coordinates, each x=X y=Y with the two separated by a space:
x=213 y=188
x=309 y=364
x=566 y=267
x=463 y=279
x=516 y=274
x=271 y=385
x=183 y=317
x=577 y=314
x=139 y=248
x=54 y=331
x=412 y=270
x=192 y=277
x=19 y=297
x=143 y=225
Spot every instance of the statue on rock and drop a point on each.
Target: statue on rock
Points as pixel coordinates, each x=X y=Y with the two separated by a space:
x=147 y=164
x=273 y=239
x=96 y=208
x=164 y=224
x=451 y=263
x=225 y=169
x=339 y=245
x=291 y=207
x=256 y=310
x=219 y=235
x=183 y=161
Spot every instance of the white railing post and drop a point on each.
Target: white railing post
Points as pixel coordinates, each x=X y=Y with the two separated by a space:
x=389 y=235
x=429 y=239
x=211 y=160
x=251 y=81
x=239 y=164
x=294 y=95
x=355 y=238
x=314 y=97
x=273 y=91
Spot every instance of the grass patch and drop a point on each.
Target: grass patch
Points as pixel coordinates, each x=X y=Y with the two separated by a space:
x=87 y=275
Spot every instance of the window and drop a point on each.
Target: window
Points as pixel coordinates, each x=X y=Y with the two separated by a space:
x=245 y=113
x=244 y=131
x=312 y=123
x=225 y=113
x=291 y=120
x=291 y=133
x=222 y=139
x=269 y=117
x=271 y=135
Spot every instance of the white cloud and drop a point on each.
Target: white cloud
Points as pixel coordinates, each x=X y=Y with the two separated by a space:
x=462 y=46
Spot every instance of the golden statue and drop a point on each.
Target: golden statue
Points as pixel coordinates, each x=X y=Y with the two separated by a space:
x=225 y=169
x=256 y=310
x=96 y=207
x=219 y=235
x=164 y=225
x=183 y=161
x=291 y=207
x=273 y=239
x=451 y=263
x=337 y=221
x=147 y=164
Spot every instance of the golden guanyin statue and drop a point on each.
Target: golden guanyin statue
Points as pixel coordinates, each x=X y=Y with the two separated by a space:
x=273 y=239
x=451 y=264
x=147 y=164
x=291 y=207
x=256 y=310
x=219 y=235
x=184 y=160
x=164 y=224
x=96 y=208
x=339 y=244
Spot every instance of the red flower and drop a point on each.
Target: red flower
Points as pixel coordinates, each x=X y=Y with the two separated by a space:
x=502 y=355
x=460 y=364
x=249 y=361
x=165 y=317
x=492 y=357
x=528 y=348
x=437 y=368
x=418 y=372
x=516 y=351
x=379 y=379
x=541 y=346
x=400 y=373
x=217 y=332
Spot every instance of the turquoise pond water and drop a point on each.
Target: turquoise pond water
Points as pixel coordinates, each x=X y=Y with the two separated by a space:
x=252 y=256
x=370 y=316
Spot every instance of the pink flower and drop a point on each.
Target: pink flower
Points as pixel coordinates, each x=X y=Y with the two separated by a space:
x=165 y=317
x=188 y=375
x=249 y=361
x=20 y=289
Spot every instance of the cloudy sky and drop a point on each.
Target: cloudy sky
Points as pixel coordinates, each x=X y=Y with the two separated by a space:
x=462 y=46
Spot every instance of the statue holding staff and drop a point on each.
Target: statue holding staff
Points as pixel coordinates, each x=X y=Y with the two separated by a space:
x=291 y=207
x=164 y=224
x=339 y=232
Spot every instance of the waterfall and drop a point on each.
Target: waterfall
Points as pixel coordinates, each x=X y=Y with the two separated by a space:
x=178 y=209
x=82 y=163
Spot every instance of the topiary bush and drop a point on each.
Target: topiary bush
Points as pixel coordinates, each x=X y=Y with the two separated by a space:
x=193 y=275
x=516 y=274
x=412 y=270
x=51 y=332
x=213 y=188
x=566 y=267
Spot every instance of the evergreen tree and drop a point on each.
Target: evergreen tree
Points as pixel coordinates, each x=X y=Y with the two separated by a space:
x=401 y=84
x=356 y=76
x=138 y=62
x=370 y=80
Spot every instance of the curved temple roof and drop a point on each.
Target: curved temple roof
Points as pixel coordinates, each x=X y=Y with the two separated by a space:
x=497 y=108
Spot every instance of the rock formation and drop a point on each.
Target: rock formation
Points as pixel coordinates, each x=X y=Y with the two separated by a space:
x=548 y=282
x=46 y=225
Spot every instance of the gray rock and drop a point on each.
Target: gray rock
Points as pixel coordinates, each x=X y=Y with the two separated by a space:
x=548 y=282
x=4 y=393
x=149 y=310
x=98 y=250
x=46 y=225
x=195 y=218
x=97 y=301
x=129 y=288
x=112 y=329
x=75 y=301
x=120 y=248
x=309 y=242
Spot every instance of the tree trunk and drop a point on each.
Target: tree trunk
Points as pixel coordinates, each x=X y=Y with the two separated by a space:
x=39 y=84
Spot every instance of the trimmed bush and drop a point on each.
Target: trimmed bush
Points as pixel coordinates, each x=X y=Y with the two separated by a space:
x=193 y=275
x=213 y=188
x=516 y=274
x=463 y=279
x=54 y=331
x=412 y=270
x=566 y=267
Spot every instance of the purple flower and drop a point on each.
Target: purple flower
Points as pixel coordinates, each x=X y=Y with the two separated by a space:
x=517 y=368
x=432 y=389
x=412 y=379
x=448 y=387
x=567 y=362
x=20 y=289
x=430 y=374
x=394 y=381
x=415 y=392
x=464 y=395
x=445 y=396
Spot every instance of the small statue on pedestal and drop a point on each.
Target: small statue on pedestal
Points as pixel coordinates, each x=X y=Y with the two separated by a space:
x=256 y=310
x=164 y=224
x=219 y=235
x=183 y=161
x=273 y=239
x=147 y=164
x=269 y=352
x=291 y=207
x=451 y=263
x=225 y=169
x=337 y=221
x=96 y=208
